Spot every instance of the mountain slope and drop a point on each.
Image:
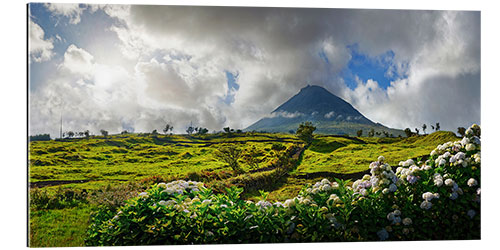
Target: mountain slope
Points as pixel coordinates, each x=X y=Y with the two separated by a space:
x=329 y=113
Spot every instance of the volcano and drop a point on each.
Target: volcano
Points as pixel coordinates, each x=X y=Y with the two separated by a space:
x=328 y=112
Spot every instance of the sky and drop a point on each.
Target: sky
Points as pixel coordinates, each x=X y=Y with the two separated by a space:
x=136 y=67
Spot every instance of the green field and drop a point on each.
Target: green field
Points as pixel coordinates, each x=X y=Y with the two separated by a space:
x=70 y=178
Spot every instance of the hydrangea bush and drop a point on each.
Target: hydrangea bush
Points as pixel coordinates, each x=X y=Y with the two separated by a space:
x=438 y=198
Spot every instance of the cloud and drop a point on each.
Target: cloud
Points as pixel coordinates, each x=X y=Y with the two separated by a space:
x=78 y=61
x=285 y=114
x=40 y=49
x=330 y=114
x=180 y=56
x=73 y=11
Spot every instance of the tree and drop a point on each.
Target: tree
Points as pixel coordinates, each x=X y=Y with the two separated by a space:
x=432 y=126
x=104 y=132
x=359 y=133
x=202 y=131
x=305 y=132
x=40 y=137
x=461 y=131
x=190 y=130
x=371 y=133
x=230 y=154
x=438 y=127
x=124 y=132
x=424 y=127
x=377 y=133
x=386 y=134
x=416 y=131
x=86 y=133
x=408 y=132
x=167 y=128
x=70 y=134
x=155 y=132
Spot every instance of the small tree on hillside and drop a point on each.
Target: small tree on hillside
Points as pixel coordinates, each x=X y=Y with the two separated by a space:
x=104 y=132
x=70 y=134
x=305 y=132
x=424 y=127
x=167 y=128
x=408 y=132
x=359 y=133
x=371 y=133
x=86 y=133
x=202 y=131
x=230 y=154
x=190 y=130
x=438 y=127
x=461 y=131
x=416 y=131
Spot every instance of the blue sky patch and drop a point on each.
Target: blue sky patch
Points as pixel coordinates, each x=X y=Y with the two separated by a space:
x=231 y=86
x=379 y=68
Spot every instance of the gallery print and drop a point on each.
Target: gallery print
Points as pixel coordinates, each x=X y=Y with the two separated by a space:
x=165 y=125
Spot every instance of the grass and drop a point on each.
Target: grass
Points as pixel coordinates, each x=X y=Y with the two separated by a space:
x=117 y=167
x=59 y=227
x=351 y=155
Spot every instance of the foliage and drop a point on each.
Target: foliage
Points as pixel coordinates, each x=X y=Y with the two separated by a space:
x=167 y=128
x=359 y=133
x=58 y=199
x=230 y=154
x=435 y=199
x=104 y=132
x=40 y=137
x=305 y=132
x=461 y=131
x=408 y=132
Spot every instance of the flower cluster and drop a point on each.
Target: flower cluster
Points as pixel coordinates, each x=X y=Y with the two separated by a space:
x=394 y=217
x=382 y=178
x=180 y=186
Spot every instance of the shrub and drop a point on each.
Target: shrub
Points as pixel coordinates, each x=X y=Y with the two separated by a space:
x=305 y=132
x=57 y=199
x=435 y=199
x=230 y=154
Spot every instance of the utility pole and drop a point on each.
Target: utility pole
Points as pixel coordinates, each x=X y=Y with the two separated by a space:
x=60 y=130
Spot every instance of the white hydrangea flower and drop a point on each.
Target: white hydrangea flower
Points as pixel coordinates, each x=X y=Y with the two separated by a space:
x=470 y=147
x=449 y=182
x=144 y=195
x=289 y=203
x=407 y=221
x=426 y=205
x=469 y=132
x=325 y=181
x=465 y=141
x=381 y=159
x=472 y=182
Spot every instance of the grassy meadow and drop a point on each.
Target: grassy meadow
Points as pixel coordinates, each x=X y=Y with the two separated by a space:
x=70 y=178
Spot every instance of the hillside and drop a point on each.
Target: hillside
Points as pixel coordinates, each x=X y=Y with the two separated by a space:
x=329 y=113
